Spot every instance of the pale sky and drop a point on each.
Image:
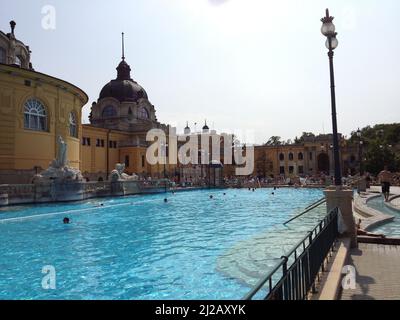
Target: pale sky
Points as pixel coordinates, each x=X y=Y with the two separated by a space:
x=256 y=65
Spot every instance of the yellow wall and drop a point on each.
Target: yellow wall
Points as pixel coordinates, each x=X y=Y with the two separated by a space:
x=94 y=158
x=24 y=149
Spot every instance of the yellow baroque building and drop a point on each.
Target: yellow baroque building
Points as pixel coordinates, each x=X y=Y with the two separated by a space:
x=312 y=156
x=119 y=122
x=35 y=109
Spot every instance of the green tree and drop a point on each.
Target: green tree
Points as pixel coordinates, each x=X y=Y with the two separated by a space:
x=381 y=146
x=274 y=141
x=378 y=156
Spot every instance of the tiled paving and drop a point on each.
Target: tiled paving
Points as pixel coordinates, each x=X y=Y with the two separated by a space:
x=378 y=273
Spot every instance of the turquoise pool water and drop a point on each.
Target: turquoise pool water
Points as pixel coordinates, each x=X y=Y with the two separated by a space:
x=142 y=248
x=390 y=229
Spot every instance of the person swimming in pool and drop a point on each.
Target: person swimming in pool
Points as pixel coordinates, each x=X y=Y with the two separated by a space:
x=165 y=200
x=66 y=220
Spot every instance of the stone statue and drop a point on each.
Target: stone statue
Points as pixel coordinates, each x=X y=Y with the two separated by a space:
x=62 y=152
x=59 y=169
x=118 y=174
x=61 y=160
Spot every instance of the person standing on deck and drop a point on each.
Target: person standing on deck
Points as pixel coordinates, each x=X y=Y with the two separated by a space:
x=385 y=177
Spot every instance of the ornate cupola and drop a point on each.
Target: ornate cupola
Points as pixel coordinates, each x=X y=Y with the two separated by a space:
x=124 y=71
x=206 y=129
x=123 y=88
x=123 y=104
x=187 y=128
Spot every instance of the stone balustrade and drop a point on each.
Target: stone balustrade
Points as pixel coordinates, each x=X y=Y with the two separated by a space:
x=11 y=194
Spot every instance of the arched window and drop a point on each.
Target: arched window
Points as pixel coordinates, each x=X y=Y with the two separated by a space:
x=73 y=126
x=291 y=157
x=109 y=112
x=142 y=113
x=300 y=156
x=281 y=157
x=2 y=55
x=35 y=117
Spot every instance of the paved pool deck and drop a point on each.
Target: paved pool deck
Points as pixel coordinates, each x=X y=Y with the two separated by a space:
x=377 y=272
x=377 y=267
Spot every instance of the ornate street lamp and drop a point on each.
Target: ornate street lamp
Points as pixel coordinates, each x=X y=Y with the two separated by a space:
x=328 y=30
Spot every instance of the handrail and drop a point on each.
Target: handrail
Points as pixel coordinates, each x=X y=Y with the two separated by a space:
x=308 y=261
x=308 y=209
x=314 y=203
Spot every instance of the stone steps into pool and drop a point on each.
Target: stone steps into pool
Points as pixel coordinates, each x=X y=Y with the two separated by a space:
x=250 y=260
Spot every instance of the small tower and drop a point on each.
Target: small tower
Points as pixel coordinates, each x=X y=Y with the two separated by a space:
x=187 y=128
x=206 y=129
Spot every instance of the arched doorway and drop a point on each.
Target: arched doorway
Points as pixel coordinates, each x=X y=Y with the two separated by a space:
x=323 y=163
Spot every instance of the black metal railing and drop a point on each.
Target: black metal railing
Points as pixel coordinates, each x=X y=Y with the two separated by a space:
x=307 y=210
x=295 y=275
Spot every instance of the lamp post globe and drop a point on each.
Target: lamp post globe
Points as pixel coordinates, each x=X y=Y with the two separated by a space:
x=332 y=42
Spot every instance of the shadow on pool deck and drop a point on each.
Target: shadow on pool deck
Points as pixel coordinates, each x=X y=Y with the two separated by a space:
x=377 y=272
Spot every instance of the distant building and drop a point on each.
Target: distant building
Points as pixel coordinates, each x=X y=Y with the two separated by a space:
x=313 y=156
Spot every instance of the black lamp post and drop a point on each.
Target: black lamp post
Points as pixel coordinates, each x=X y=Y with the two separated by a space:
x=328 y=30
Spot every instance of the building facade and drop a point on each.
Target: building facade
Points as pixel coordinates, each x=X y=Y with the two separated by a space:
x=119 y=122
x=35 y=109
x=312 y=157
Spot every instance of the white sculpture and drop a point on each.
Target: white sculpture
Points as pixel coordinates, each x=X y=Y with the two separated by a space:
x=118 y=174
x=59 y=170
x=61 y=160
